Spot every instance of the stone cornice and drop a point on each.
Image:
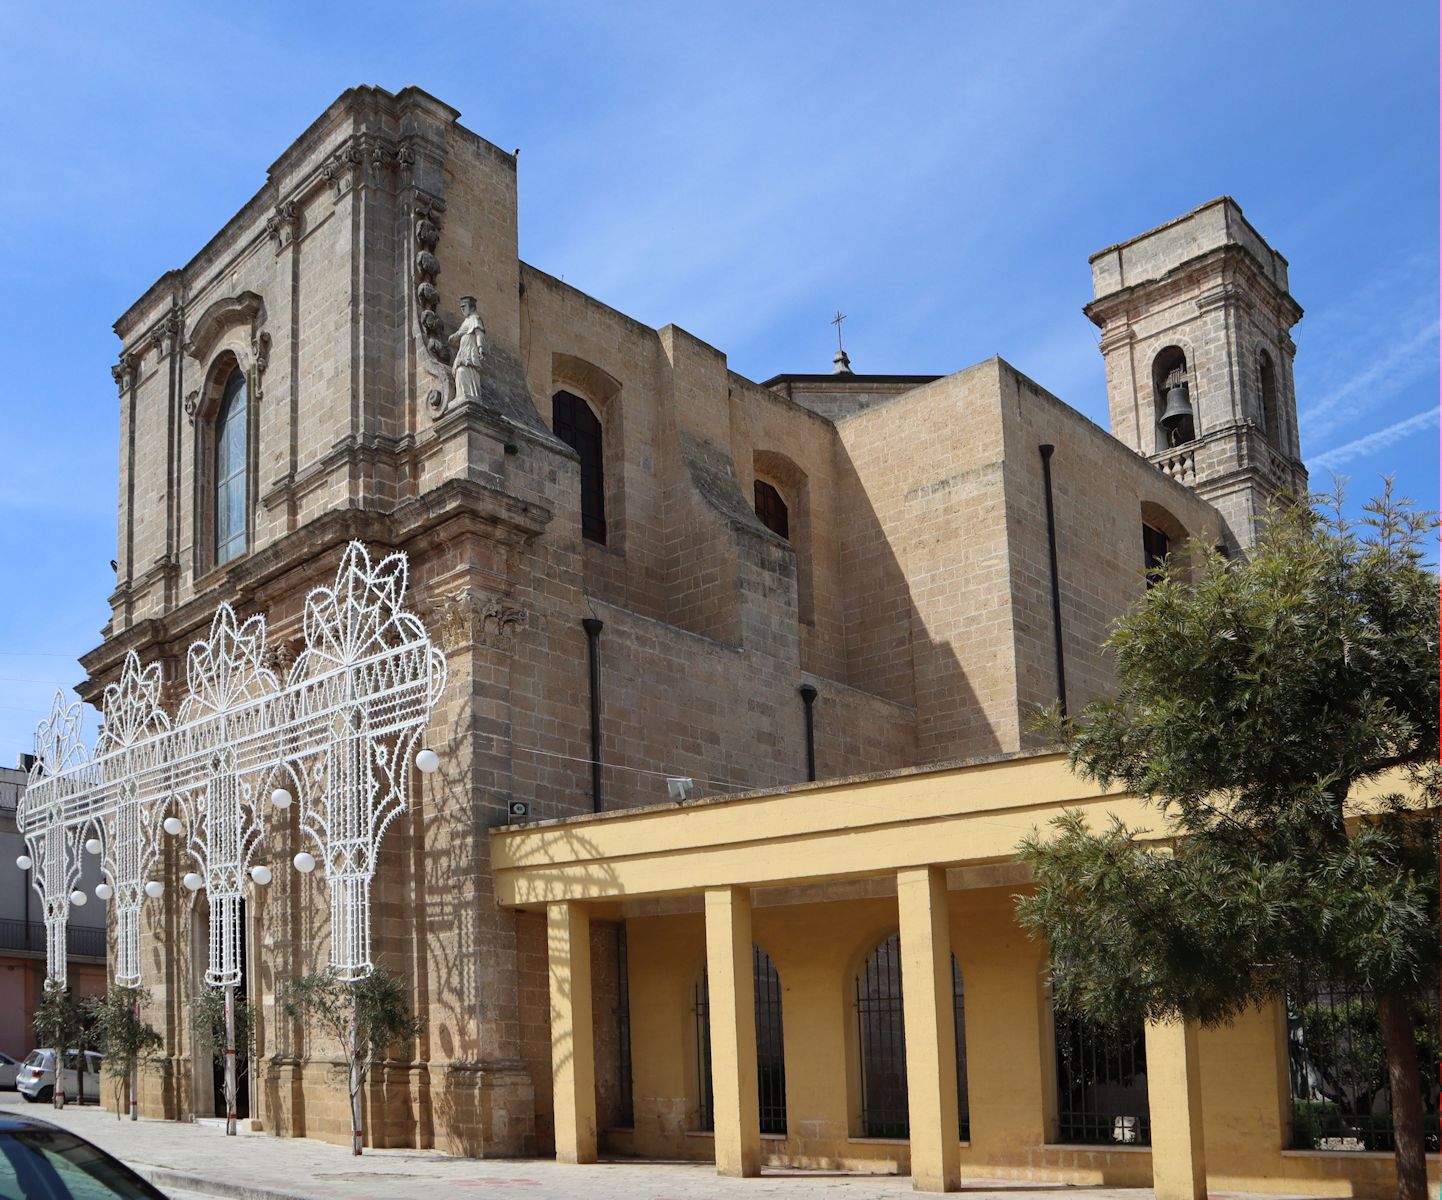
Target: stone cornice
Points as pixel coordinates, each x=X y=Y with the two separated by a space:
x=462 y=503
x=1231 y=257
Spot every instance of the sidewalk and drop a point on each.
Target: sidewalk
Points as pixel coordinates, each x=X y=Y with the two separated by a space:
x=186 y=1159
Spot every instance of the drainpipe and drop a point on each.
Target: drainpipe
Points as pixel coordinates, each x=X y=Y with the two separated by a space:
x=808 y=698
x=593 y=654
x=1046 y=453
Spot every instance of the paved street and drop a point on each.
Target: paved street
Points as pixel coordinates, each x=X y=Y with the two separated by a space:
x=190 y=1161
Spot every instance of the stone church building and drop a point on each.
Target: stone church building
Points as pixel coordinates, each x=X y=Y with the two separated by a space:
x=662 y=586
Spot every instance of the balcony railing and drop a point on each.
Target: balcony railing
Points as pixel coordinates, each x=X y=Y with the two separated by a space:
x=1180 y=463
x=29 y=936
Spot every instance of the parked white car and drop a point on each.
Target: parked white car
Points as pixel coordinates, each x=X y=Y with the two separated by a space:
x=36 y=1076
x=8 y=1068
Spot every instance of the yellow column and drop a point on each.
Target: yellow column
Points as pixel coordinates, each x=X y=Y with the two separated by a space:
x=930 y=1030
x=573 y=1060
x=733 y=1031
x=1174 y=1095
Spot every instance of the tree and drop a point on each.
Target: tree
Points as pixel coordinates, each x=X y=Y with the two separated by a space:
x=61 y=1022
x=1254 y=701
x=208 y=1028
x=125 y=1039
x=366 y=1017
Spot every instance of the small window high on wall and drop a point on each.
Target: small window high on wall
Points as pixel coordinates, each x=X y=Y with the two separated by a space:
x=771 y=509
x=230 y=470
x=576 y=425
x=1155 y=548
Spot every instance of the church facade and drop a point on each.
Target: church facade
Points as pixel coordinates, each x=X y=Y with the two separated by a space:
x=655 y=580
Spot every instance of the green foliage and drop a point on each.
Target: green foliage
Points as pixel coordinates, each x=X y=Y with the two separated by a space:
x=1253 y=698
x=119 y=1030
x=377 y=1002
x=207 y=1024
x=60 y=1023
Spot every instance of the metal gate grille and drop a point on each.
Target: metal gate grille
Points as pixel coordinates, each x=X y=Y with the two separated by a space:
x=701 y=1007
x=770 y=1056
x=770 y=1047
x=958 y=1015
x=1341 y=1099
x=881 y=1037
x=1101 y=1083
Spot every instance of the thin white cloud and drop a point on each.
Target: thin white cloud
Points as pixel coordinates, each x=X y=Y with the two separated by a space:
x=1373 y=442
x=1396 y=365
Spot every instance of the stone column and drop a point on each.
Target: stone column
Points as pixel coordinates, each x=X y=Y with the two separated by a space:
x=568 y=930
x=732 y=997
x=1174 y=1094
x=921 y=903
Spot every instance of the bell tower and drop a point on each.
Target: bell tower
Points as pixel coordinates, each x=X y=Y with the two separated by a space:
x=1196 y=318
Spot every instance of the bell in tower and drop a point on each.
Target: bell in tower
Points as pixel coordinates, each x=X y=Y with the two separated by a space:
x=1176 y=418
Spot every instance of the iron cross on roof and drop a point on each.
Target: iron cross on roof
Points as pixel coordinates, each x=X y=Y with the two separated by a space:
x=836 y=320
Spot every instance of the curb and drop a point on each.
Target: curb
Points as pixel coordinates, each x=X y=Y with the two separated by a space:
x=164 y=1178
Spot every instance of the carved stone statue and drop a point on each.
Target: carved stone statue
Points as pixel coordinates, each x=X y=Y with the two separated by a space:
x=470 y=342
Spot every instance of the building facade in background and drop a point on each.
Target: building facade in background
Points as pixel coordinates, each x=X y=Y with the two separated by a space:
x=22 y=931
x=644 y=568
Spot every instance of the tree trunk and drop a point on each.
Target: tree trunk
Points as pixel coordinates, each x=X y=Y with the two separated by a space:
x=357 y=1134
x=1400 y=1041
x=230 y=1060
x=134 y=1089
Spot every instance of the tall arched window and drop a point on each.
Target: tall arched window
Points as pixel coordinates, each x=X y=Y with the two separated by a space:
x=1267 y=387
x=881 y=1040
x=576 y=425
x=770 y=1047
x=231 y=453
x=771 y=509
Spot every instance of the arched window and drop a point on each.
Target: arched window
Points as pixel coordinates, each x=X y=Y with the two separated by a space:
x=1172 y=390
x=231 y=476
x=1267 y=388
x=1101 y=1084
x=771 y=509
x=576 y=425
x=770 y=1046
x=881 y=1040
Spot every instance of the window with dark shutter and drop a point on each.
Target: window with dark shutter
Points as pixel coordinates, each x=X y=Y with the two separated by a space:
x=771 y=509
x=1155 y=547
x=576 y=425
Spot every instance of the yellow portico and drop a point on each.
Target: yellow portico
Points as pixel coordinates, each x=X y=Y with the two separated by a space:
x=832 y=976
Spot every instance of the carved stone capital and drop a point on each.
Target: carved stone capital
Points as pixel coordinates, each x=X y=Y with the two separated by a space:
x=124 y=372
x=282 y=224
x=474 y=618
x=192 y=405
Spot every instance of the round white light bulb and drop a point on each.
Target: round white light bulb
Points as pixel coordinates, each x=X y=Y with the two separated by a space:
x=261 y=874
x=103 y=891
x=23 y=862
x=428 y=761
x=154 y=889
x=281 y=798
x=78 y=898
x=192 y=881
x=92 y=845
x=304 y=863
x=172 y=825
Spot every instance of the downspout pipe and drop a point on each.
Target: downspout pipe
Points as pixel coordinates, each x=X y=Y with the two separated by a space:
x=593 y=628
x=1046 y=452
x=808 y=699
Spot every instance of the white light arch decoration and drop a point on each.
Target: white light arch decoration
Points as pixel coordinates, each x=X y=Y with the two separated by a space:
x=342 y=728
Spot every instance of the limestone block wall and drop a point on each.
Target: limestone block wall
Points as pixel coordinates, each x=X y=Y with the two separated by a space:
x=1102 y=494
x=928 y=614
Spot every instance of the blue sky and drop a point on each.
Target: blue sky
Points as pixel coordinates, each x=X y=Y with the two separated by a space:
x=742 y=170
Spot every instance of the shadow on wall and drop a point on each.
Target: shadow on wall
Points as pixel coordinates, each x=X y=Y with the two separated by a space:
x=889 y=648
